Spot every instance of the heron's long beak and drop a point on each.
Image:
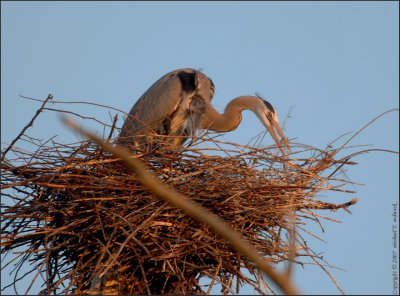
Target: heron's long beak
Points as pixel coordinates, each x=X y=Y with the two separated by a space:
x=275 y=130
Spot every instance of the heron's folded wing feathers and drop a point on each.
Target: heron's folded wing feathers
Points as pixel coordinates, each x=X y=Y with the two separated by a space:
x=154 y=106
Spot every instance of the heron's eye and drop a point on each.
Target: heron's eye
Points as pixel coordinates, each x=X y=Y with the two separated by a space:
x=269 y=115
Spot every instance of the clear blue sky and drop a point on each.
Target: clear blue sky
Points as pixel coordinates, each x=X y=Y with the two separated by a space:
x=334 y=64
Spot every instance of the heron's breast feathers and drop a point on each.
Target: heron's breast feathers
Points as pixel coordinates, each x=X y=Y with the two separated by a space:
x=187 y=117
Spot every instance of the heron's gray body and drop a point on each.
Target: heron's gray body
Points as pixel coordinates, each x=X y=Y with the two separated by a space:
x=173 y=105
x=179 y=104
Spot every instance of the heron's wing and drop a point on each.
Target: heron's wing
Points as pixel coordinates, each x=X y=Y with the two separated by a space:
x=159 y=102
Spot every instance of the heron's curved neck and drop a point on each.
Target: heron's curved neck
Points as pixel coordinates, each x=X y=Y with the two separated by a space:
x=231 y=118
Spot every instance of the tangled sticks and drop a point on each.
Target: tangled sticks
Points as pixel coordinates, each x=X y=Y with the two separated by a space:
x=85 y=222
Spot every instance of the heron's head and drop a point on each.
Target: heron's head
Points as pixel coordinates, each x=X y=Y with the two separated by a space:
x=268 y=116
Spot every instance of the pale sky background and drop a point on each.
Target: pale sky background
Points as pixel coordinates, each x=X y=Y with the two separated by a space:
x=335 y=65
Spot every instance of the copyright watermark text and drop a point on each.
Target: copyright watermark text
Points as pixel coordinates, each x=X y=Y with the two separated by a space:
x=395 y=250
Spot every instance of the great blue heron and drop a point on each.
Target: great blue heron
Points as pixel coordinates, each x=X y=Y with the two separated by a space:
x=179 y=104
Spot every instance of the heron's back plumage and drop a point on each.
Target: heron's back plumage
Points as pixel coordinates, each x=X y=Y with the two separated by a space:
x=173 y=105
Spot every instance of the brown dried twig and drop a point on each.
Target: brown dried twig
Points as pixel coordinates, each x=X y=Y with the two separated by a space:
x=49 y=98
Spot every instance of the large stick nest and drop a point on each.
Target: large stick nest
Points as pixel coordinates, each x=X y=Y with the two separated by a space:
x=84 y=221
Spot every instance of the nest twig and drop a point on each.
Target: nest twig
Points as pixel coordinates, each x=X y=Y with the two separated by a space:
x=85 y=222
